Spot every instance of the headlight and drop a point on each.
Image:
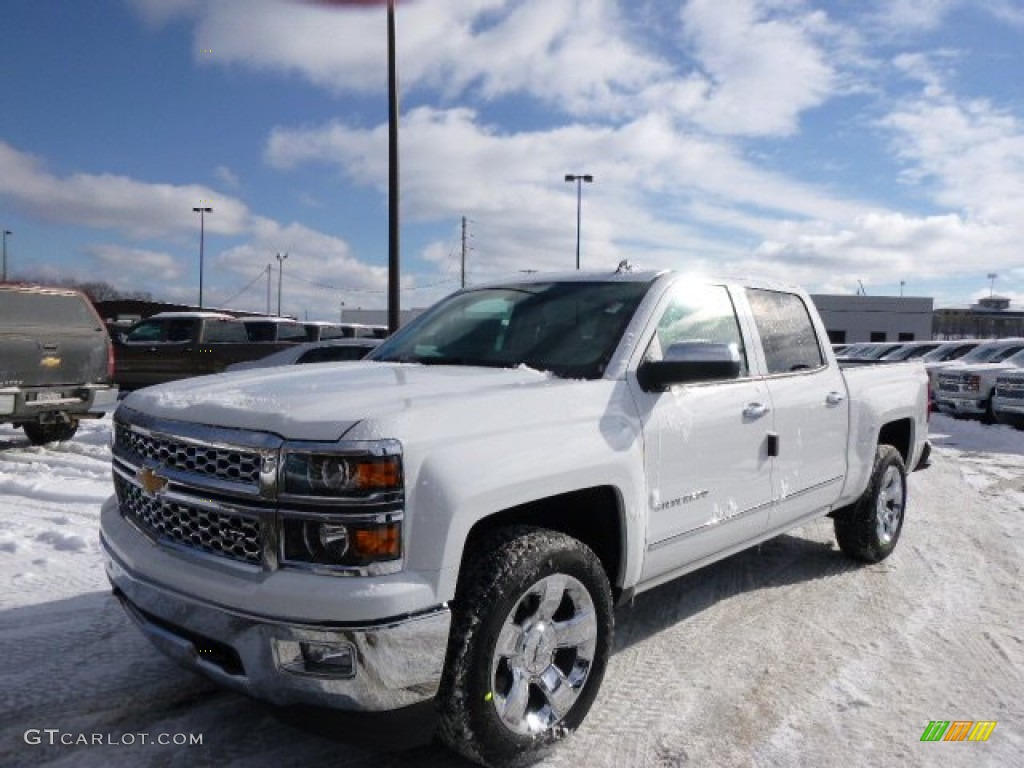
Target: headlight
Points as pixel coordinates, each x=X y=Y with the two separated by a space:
x=342 y=505
x=349 y=544
x=336 y=474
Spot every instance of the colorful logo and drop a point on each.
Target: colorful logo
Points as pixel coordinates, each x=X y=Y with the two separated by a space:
x=958 y=730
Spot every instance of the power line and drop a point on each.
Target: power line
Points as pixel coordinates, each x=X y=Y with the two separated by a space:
x=248 y=286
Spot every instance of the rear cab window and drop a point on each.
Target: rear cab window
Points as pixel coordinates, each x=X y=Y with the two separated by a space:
x=40 y=308
x=787 y=332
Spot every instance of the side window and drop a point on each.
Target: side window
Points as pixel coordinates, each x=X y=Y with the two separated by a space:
x=147 y=331
x=787 y=333
x=698 y=313
x=290 y=332
x=180 y=329
x=225 y=331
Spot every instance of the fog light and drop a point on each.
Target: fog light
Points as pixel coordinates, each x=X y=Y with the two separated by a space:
x=335 y=660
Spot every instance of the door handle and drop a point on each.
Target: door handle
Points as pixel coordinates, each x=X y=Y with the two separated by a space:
x=755 y=410
x=834 y=398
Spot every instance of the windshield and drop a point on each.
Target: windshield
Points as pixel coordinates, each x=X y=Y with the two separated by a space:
x=982 y=354
x=570 y=329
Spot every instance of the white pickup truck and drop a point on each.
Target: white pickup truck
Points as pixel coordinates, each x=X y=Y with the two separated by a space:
x=967 y=390
x=454 y=519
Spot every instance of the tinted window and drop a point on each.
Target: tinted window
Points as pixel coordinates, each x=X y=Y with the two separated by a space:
x=260 y=331
x=787 y=333
x=698 y=313
x=290 y=332
x=46 y=309
x=570 y=329
x=180 y=329
x=224 y=331
x=147 y=330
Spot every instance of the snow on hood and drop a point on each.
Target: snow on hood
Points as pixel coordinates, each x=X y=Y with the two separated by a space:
x=322 y=402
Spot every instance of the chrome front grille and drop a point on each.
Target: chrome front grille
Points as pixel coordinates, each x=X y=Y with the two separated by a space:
x=1012 y=389
x=222 y=463
x=234 y=536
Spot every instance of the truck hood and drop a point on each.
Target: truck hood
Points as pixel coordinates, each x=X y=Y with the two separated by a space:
x=324 y=401
x=980 y=369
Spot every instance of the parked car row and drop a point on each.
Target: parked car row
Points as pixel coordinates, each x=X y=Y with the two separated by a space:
x=967 y=387
x=968 y=377
x=174 y=345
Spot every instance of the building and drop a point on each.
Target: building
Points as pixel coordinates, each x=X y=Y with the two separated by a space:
x=854 y=319
x=990 y=318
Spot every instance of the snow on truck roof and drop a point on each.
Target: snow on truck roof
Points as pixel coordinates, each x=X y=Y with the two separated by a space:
x=639 y=276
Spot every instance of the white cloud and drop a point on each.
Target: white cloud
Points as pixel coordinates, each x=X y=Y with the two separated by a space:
x=965 y=155
x=136 y=208
x=227 y=177
x=764 y=69
x=914 y=14
x=319 y=271
x=128 y=267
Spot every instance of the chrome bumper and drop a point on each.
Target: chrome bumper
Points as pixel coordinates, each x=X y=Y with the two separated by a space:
x=958 y=405
x=394 y=664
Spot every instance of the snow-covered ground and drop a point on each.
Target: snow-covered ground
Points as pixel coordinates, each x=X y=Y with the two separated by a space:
x=784 y=655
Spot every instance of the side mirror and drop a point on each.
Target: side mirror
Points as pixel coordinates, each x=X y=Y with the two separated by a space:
x=689 y=362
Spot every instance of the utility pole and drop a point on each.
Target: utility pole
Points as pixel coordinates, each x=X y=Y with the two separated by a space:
x=578 y=179
x=280 y=274
x=6 y=233
x=463 y=283
x=268 y=287
x=202 y=211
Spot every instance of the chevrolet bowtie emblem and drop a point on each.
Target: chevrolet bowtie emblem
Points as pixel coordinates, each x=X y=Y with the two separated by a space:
x=152 y=483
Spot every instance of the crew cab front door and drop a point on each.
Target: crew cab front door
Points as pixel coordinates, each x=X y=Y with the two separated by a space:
x=706 y=458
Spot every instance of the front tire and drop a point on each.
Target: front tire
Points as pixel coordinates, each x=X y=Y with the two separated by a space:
x=869 y=529
x=531 y=635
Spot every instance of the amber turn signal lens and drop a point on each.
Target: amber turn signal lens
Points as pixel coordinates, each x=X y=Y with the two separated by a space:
x=380 y=542
x=378 y=474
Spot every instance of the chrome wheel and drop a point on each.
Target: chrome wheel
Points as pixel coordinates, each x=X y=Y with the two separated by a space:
x=543 y=654
x=889 y=506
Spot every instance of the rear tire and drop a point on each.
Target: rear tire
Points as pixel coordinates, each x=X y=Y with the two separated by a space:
x=869 y=529
x=531 y=635
x=41 y=434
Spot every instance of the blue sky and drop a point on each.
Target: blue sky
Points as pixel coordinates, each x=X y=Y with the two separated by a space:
x=825 y=143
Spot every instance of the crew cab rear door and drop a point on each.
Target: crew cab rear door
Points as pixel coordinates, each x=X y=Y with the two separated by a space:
x=708 y=471
x=808 y=400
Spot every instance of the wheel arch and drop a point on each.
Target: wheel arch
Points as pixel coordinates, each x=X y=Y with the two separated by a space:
x=594 y=516
x=900 y=435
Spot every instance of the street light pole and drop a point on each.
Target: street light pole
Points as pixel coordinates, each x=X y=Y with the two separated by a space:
x=394 y=261
x=6 y=233
x=579 y=179
x=280 y=274
x=202 y=211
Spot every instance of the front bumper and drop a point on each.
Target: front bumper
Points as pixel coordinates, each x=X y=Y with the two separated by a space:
x=961 y=405
x=243 y=627
x=394 y=664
